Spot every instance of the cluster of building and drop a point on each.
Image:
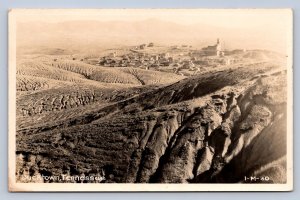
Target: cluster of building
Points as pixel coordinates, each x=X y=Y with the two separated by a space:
x=143 y=46
x=148 y=61
x=194 y=60
x=138 y=59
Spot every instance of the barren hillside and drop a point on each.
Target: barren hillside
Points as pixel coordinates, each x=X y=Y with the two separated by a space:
x=209 y=128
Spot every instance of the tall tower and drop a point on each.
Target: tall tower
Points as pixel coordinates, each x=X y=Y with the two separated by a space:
x=218 y=47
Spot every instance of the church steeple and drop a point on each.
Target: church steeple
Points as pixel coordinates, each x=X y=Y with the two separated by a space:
x=218 y=48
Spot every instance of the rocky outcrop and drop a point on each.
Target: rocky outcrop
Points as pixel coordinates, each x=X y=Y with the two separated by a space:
x=212 y=136
x=193 y=136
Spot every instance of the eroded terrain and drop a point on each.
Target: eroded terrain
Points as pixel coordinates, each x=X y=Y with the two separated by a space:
x=135 y=125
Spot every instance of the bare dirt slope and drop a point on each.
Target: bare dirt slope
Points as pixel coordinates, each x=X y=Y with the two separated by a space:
x=75 y=71
x=215 y=127
x=53 y=88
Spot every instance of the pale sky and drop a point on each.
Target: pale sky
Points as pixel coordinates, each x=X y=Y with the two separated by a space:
x=268 y=25
x=216 y=17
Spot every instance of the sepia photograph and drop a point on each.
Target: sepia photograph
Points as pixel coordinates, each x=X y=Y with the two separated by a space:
x=150 y=100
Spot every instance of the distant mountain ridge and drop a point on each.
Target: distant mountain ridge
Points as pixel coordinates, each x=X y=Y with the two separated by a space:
x=95 y=34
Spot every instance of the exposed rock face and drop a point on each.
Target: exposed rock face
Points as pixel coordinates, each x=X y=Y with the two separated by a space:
x=157 y=143
x=189 y=132
x=204 y=160
x=192 y=137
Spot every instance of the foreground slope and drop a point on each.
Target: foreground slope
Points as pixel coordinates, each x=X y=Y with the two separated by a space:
x=215 y=127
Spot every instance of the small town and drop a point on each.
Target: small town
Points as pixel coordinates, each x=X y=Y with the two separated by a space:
x=183 y=59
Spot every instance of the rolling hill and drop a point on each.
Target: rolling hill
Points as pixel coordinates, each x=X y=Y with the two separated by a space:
x=209 y=128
